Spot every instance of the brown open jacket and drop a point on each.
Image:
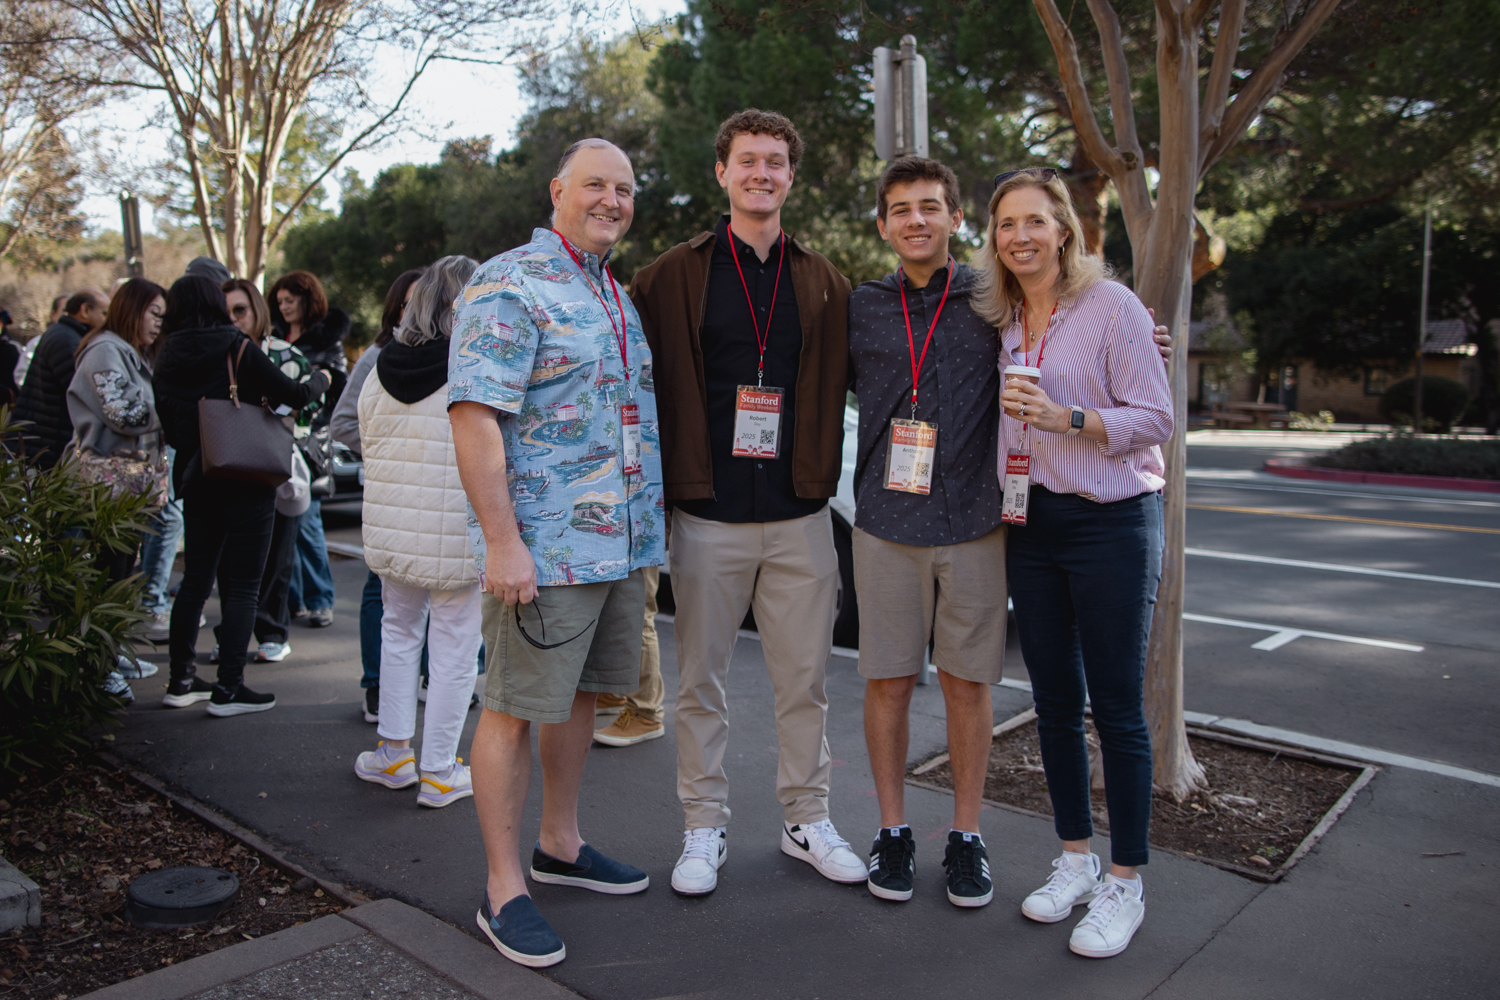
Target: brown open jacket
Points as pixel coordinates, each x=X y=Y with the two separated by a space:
x=669 y=292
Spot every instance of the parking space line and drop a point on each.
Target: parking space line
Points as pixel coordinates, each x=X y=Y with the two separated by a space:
x=1340 y=568
x=1343 y=517
x=1286 y=633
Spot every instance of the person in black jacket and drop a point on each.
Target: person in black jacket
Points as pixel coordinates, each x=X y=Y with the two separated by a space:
x=44 y=397
x=10 y=357
x=302 y=317
x=227 y=523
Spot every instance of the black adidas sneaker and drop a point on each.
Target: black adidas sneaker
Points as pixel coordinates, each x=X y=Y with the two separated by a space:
x=968 y=865
x=893 y=862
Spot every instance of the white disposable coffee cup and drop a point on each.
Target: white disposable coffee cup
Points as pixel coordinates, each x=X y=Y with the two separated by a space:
x=1024 y=372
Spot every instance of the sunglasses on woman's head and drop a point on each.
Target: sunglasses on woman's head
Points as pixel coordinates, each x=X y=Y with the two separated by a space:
x=1043 y=174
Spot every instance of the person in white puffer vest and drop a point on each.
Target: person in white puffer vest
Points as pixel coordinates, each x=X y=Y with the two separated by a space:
x=416 y=541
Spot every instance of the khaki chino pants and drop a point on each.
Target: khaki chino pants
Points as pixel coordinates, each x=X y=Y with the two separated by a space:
x=648 y=697
x=789 y=573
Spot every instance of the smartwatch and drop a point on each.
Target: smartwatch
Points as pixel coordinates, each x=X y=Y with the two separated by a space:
x=1075 y=422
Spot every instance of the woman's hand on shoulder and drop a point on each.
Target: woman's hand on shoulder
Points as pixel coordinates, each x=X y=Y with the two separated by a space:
x=1161 y=336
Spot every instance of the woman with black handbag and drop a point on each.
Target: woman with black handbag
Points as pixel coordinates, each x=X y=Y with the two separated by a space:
x=204 y=357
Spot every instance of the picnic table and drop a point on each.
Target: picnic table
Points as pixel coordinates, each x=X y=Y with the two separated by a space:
x=1263 y=414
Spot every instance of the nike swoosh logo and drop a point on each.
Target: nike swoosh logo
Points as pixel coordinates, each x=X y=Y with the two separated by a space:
x=800 y=843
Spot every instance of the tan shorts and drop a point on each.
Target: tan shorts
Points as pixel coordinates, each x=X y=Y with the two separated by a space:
x=539 y=684
x=953 y=593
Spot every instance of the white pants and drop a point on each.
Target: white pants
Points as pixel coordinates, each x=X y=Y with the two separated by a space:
x=452 y=637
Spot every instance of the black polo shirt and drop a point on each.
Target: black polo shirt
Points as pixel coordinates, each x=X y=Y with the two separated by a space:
x=749 y=489
x=958 y=389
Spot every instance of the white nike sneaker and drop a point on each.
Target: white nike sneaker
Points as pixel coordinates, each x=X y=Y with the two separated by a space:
x=703 y=851
x=1115 y=914
x=820 y=845
x=1073 y=877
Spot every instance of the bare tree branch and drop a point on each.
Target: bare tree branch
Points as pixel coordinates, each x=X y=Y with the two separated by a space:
x=1216 y=95
x=1135 y=196
x=1264 y=83
x=1066 y=51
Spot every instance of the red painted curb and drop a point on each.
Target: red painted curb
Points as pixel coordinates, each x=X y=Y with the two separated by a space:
x=1282 y=467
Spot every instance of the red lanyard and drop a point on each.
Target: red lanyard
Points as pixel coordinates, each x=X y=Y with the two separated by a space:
x=911 y=342
x=623 y=329
x=1026 y=336
x=760 y=339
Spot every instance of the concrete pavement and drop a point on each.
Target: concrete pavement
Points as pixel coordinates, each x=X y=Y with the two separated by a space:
x=1364 y=916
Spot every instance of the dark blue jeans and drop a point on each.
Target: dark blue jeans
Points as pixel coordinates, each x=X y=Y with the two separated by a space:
x=1083 y=577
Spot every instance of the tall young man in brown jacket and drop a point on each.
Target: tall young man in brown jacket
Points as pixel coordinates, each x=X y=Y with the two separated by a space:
x=749 y=342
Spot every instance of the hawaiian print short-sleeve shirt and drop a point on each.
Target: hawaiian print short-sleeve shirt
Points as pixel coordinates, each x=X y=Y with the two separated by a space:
x=531 y=340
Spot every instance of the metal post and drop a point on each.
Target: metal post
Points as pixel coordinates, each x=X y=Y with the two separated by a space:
x=130 y=222
x=900 y=80
x=1416 y=421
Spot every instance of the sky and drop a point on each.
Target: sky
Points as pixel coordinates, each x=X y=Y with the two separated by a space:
x=491 y=105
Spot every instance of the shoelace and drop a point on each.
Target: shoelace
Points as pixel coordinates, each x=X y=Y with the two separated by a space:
x=622 y=720
x=1108 y=898
x=964 y=862
x=892 y=854
x=827 y=834
x=700 y=844
x=1058 y=883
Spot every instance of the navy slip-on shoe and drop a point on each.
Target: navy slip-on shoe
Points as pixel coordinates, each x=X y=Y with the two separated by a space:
x=521 y=933
x=592 y=870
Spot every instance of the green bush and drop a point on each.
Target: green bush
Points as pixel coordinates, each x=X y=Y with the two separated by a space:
x=1413 y=456
x=1443 y=402
x=63 y=621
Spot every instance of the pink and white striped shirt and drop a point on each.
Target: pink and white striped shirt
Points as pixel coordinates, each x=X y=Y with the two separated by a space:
x=1099 y=355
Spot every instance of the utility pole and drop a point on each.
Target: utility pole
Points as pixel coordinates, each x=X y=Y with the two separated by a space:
x=1416 y=420
x=130 y=223
x=900 y=101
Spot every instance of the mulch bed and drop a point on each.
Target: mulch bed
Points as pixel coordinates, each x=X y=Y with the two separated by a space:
x=1260 y=806
x=82 y=833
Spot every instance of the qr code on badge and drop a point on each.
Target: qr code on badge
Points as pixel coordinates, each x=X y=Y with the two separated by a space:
x=767 y=437
x=924 y=469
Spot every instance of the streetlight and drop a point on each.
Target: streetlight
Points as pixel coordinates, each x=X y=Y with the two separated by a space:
x=900 y=101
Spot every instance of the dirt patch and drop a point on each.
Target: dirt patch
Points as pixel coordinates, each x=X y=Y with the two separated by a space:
x=82 y=835
x=1261 y=805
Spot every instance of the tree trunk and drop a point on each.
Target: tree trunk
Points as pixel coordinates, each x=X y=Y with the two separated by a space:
x=1089 y=185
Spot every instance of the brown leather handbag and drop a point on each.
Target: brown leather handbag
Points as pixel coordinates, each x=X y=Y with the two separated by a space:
x=245 y=443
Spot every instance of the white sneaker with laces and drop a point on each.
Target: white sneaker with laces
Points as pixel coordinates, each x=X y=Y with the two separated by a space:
x=703 y=852
x=820 y=845
x=1073 y=877
x=1115 y=914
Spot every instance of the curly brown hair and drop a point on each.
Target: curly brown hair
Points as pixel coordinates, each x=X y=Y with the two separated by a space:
x=306 y=286
x=753 y=121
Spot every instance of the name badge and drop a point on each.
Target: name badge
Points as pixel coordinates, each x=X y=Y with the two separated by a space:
x=757 y=421
x=909 y=456
x=1017 y=490
x=630 y=425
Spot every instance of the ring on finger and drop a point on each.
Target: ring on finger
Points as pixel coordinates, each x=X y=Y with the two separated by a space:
x=1023 y=409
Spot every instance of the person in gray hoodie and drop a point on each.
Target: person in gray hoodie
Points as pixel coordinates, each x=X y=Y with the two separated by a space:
x=110 y=399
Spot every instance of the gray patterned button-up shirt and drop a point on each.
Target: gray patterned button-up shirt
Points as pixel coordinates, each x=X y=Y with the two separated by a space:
x=958 y=389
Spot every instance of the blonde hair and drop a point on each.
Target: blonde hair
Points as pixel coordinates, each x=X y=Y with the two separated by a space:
x=998 y=292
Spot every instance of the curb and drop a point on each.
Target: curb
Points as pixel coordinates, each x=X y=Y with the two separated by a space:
x=1292 y=470
x=444 y=950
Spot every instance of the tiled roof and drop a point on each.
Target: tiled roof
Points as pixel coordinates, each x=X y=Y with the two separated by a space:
x=1448 y=336
x=1214 y=336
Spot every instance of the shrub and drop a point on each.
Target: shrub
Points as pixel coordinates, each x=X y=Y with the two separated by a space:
x=1443 y=402
x=63 y=621
x=1413 y=456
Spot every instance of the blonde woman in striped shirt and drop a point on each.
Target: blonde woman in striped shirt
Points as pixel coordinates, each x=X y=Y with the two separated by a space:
x=1080 y=459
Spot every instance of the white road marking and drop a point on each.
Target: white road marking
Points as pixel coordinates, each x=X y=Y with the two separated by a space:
x=1354 y=750
x=1341 y=568
x=1286 y=633
x=1216 y=482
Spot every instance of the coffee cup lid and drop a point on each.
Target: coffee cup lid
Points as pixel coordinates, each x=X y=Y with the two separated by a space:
x=1022 y=371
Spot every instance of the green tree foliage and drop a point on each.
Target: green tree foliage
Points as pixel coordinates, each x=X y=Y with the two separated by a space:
x=1443 y=402
x=64 y=622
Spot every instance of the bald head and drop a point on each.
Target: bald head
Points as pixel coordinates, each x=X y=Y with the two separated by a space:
x=88 y=306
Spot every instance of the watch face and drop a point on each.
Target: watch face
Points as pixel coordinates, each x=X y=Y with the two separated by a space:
x=1078 y=419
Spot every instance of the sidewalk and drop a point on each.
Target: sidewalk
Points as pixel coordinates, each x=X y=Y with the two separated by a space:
x=1365 y=916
